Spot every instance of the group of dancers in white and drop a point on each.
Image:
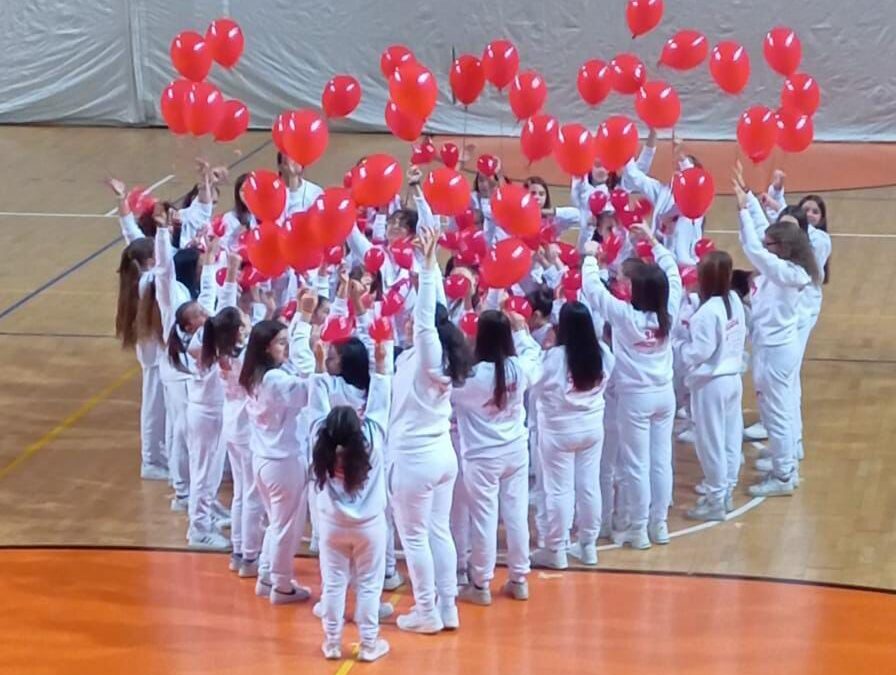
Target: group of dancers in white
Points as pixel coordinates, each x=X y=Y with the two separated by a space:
x=566 y=401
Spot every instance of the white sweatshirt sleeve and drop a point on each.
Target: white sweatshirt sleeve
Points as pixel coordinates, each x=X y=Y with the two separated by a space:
x=701 y=343
x=129 y=229
x=339 y=307
x=757 y=213
x=379 y=401
x=358 y=244
x=426 y=337
x=378 y=229
x=207 y=285
x=425 y=214
x=601 y=301
x=776 y=269
x=529 y=354
x=165 y=278
x=666 y=262
x=193 y=220
x=636 y=180
x=566 y=217
x=318 y=402
x=645 y=159
x=300 y=356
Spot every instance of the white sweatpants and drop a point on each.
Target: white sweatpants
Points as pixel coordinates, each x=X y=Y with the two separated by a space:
x=422 y=485
x=352 y=552
x=460 y=512
x=608 y=459
x=153 y=451
x=645 y=421
x=246 y=508
x=775 y=375
x=207 y=455
x=280 y=484
x=535 y=470
x=498 y=485
x=176 y=436
x=719 y=428
x=805 y=329
x=571 y=465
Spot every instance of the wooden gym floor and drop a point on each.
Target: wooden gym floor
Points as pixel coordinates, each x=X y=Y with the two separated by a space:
x=69 y=461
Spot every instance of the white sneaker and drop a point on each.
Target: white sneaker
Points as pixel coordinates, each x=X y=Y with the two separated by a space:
x=606 y=532
x=700 y=488
x=221 y=524
x=586 y=553
x=755 y=432
x=386 y=610
x=332 y=650
x=462 y=578
x=236 y=561
x=372 y=652
x=517 y=590
x=249 y=569
x=450 y=617
x=764 y=465
x=209 y=542
x=318 y=609
x=263 y=587
x=180 y=504
x=417 y=622
x=708 y=510
x=219 y=511
x=554 y=560
x=681 y=413
x=295 y=594
x=150 y=472
x=729 y=500
x=636 y=538
x=773 y=486
x=393 y=582
x=659 y=532
x=687 y=436
x=475 y=595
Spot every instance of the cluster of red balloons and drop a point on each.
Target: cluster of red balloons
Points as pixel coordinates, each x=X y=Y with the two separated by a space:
x=193 y=105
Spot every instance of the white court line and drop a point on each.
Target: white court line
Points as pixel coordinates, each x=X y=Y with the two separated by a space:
x=841 y=235
x=28 y=214
x=158 y=183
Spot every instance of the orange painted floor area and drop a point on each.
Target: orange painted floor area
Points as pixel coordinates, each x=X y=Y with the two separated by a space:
x=824 y=167
x=135 y=612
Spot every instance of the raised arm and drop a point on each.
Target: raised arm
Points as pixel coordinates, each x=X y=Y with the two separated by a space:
x=601 y=301
x=426 y=337
x=635 y=180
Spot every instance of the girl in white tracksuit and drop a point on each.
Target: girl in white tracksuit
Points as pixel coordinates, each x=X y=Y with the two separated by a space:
x=423 y=465
x=348 y=460
x=491 y=424
x=646 y=398
x=570 y=396
x=279 y=462
x=711 y=358
x=782 y=255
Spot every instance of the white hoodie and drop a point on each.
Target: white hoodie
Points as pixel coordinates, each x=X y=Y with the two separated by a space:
x=715 y=344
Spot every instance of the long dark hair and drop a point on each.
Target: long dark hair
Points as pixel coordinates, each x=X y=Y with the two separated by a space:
x=584 y=358
x=794 y=246
x=243 y=215
x=457 y=358
x=220 y=335
x=797 y=214
x=541 y=299
x=354 y=363
x=341 y=449
x=714 y=272
x=257 y=361
x=822 y=225
x=650 y=293
x=149 y=316
x=538 y=180
x=494 y=344
x=176 y=347
x=187 y=269
x=134 y=259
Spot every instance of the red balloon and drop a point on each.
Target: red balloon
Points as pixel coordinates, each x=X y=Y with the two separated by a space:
x=374 y=259
x=527 y=94
x=465 y=220
x=643 y=207
x=795 y=131
x=783 y=50
x=221 y=276
x=263 y=249
x=347 y=180
x=414 y=90
x=619 y=198
x=628 y=73
x=539 y=137
x=569 y=256
x=657 y=103
x=685 y=50
x=174 y=104
x=450 y=240
x=518 y=305
x=191 y=55
x=337 y=330
x=516 y=211
x=616 y=142
x=472 y=244
x=403 y=125
x=457 y=286
x=611 y=246
x=757 y=133
x=204 y=108
x=487 y=165
x=644 y=250
x=380 y=330
x=264 y=192
x=403 y=253
x=467 y=78
x=334 y=254
x=297 y=245
x=305 y=137
x=450 y=155
x=500 y=61
x=572 y=280
x=376 y=180
x=704 y=246
x=689 y=275
x=598 y=202
x=507 y=263
x=595 y=81
x=393 y=302
x=575 y=150
x=423 y=154
x=278 y=129
x=801 y=94
x=628 y=216
x=393 y=57
x=140 y=201
x=332 y=216
x=234 y=121
x=341 y=96
x=469 y=324
x=249 y=277
x=225 y=37
x=621 y=290
x=643 y=15
x=447 y=192
x=693 y=190
x=729 y=66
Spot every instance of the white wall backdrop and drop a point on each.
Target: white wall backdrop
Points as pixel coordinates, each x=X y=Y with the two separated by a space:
x=106 y=61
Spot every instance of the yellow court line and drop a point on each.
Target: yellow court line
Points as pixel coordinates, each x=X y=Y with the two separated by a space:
x=346 y=666
x=68 y=422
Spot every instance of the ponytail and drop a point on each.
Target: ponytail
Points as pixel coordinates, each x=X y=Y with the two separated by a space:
x=457 y=359
x=178 y=340
x=149 y=316
x=134 y=258
x=220 y=336
x=494 y=344
x=341 y=449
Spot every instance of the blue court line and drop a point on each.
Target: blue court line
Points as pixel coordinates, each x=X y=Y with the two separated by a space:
x=84 y=336
x=78 y=265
